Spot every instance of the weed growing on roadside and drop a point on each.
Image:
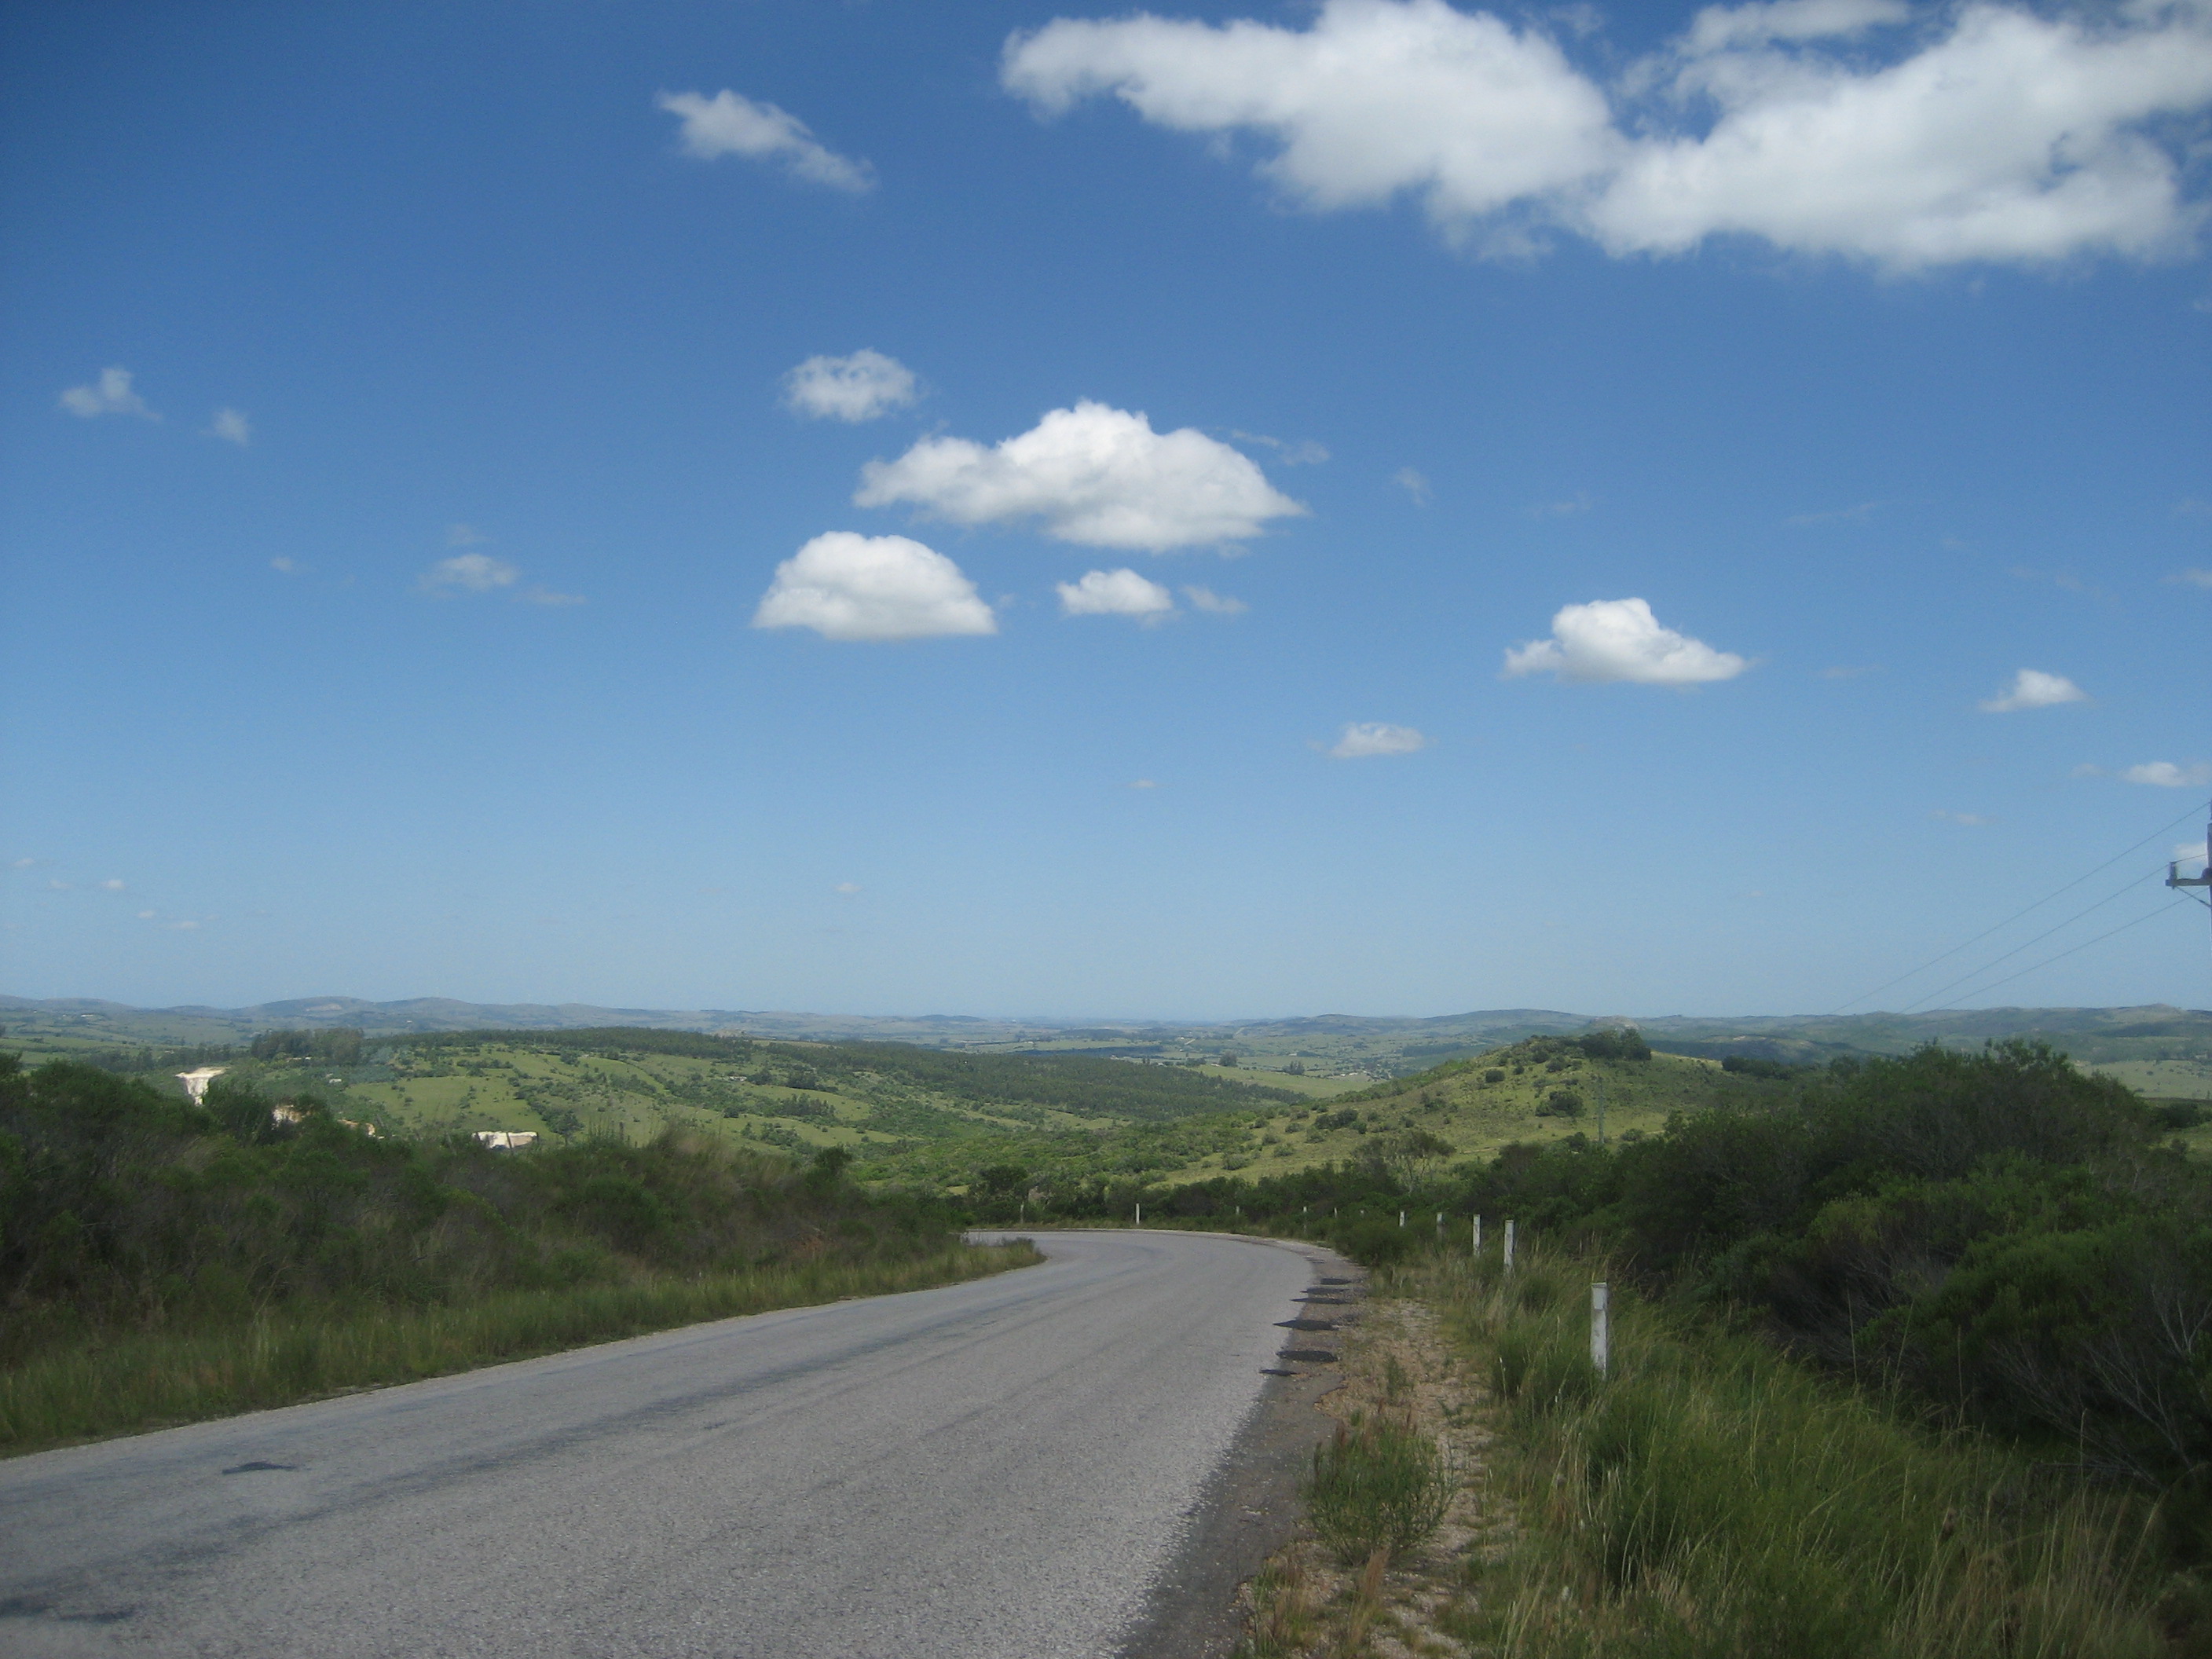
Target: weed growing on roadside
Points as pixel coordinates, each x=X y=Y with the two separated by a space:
x=1378 y=1488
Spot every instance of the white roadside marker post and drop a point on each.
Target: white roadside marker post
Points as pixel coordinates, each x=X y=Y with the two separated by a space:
x=1601 y=1327
x=1401 y=1218
x=1478 y=1235
x=1140 y=1215
x=1509 y=1246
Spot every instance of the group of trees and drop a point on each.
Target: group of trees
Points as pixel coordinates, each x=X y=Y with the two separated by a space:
x=121 y=1205
x=340 y=1046
x=1996 y=1235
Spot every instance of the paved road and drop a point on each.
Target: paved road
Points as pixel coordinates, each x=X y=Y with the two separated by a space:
x=997 y=1470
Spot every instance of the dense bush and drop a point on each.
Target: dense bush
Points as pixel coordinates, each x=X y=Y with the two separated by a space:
x=121 y=1207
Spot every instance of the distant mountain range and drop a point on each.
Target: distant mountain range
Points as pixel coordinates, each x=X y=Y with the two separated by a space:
x=1382 y=1044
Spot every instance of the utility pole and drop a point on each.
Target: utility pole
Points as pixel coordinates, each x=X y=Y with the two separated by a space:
x=2175 y=879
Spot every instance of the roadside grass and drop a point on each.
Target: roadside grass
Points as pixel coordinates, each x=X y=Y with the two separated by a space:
x=1711 y=1497
x=128 y=1382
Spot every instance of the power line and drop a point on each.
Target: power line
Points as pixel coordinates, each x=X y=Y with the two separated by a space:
x=2083 y=946
x=1993 y=962
x=2162 y=830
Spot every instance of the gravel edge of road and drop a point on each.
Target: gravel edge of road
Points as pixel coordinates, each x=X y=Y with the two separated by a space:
x=1250 y=1507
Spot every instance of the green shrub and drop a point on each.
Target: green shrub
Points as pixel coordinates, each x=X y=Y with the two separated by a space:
x=1378 y=1485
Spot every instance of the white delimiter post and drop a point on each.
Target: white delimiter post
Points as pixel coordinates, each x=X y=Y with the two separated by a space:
x=1509 y=1246
x=1478 y=1235
x=1140 y=1215
x=1601 y=1327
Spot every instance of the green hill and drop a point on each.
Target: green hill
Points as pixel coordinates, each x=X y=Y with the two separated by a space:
x=1459 y=1110
x=630 y=1082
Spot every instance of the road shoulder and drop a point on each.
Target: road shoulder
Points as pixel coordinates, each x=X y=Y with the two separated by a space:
x=1250 y=1506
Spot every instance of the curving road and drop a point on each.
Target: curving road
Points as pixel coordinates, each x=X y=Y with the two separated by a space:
x=1007 y=1469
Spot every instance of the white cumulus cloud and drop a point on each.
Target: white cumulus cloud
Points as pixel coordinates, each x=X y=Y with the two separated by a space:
x=468 y=573
x=109 y=394
x=1092 y=474
x=730 y=124
x=1620 y=640
x=1114 y=593
x=855 y=388
x=1999 y=135
x=232 y=427
x=848 y=586
x=1361 y=739
x=2166 y=775
x=2030 y=688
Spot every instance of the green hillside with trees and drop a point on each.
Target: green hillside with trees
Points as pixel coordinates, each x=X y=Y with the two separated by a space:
x=161 y=1260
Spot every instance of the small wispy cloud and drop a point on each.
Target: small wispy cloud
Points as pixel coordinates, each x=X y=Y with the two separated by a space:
x=464 y=535
x=232 y=427
x=1364 y=740
x=2030 y=688
x=730 y=124
x=1305 y=452
x=2191 y=578
x=1850 y=671
x=110 y=393
x=848 y=888
x=56 y=884
x=2065 y=579
x=468 y=573
x=1143 y=783
x=113 y=884
x=860 y=387
x=1574 y=505
x=1413 y=485
x=1836 y=515
x=285 y=567
x=1213 y=603
x=2191 y=506
x=547 y=596
x=1972 y=820
x=2164 y=774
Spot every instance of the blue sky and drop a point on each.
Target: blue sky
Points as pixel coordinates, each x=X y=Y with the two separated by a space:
x=1005 y=508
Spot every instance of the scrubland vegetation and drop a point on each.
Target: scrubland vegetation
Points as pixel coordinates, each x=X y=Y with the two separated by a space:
x=1909 y=1358
x=161 y=1260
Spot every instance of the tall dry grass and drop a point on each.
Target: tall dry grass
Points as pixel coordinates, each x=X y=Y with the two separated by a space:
x=122 y=1383
x=1712 y=1499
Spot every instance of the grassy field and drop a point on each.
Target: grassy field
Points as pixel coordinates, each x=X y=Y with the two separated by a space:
x=2161 y=1079
x=1312 y=1083
x=1475 y=1116
x=874 y=1100
x=1456 y=1112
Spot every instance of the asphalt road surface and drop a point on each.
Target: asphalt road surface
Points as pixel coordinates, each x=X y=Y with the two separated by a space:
x=997 y=1470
